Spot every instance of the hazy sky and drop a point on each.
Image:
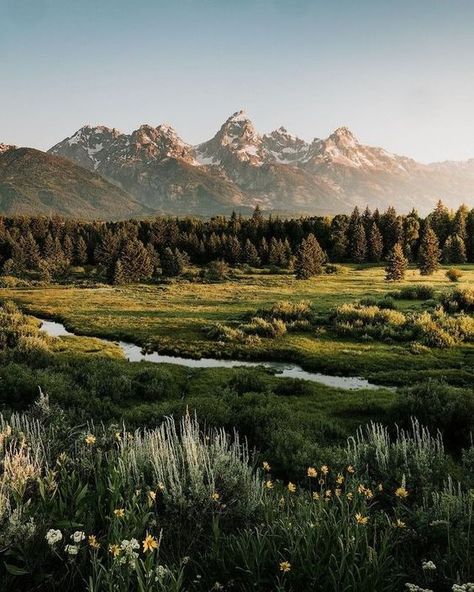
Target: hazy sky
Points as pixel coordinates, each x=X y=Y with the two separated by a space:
x=399 y=73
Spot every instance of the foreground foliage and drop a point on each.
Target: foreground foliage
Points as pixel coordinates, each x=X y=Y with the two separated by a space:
x=180 y=508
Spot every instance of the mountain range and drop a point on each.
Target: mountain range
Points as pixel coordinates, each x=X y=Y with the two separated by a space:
x=153 y=170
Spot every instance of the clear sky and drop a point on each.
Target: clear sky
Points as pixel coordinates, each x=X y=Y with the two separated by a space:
x=399 y=73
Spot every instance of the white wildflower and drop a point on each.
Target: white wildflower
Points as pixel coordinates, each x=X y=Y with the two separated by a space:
x=53 y=536
x=428 y=566
x=78 y=536
x=71 y=549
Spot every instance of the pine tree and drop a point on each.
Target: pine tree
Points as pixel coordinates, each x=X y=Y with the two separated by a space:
x=136 y=261
x=80 y=252
x=429 y=252
x=119 y=275
x=359 y=243
x=26 y=253
x=172 y=262
x=250 y=254
x=338 y=237
x=396 y=264
x=454 y=250
x=375 y=244
x=310 y=258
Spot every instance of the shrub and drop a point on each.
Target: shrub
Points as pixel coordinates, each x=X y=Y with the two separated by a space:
x=419 y=292
x=263 y=328
x=460 y=299
x=288 y=311
x=333 y=269
x=453 y=274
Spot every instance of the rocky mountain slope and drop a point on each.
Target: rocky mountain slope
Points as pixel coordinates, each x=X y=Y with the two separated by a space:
x=34 y=182
x=239 y=168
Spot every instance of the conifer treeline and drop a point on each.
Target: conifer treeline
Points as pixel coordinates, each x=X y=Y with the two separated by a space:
x=133 y=250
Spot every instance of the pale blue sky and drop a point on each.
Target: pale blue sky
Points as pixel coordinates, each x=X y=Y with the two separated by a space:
x=399 y=73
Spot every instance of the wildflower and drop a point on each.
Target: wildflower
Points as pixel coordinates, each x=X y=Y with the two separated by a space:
x=93 y=542
x=285 y=566
x=215 y=496
x=149 y=543
x=152 y=496
x=114 y=550
x=340 y=479
x=53 y=536
x=266 y=466
x=119 y=512
x=428 y=566
x=161 y=486
x=315 y=495
x=312 y=472
x=269 y=484
x=401 y=492
x=350 y=469
x=338 y=491
x=78 y=536
x=380 y=487
x=368 y=494
x=360 y=519
x=118 y=436
x=71 y=549
x=90 y=439
x=291 y=487
x=399 y=523
x=328 y=493
x=324 y=469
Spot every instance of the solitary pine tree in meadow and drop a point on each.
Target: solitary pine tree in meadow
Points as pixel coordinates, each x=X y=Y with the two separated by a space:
x=310 y=258
x=429 y=252
x=396 y=264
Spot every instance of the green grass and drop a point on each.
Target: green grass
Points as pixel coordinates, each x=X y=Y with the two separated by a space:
x=173 y=318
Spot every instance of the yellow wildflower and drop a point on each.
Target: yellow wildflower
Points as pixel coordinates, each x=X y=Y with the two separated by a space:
x=350 y=496
x=315 y=495
x=340 y=479
x=115 y=550
x=285 y=566
x=291 y=487
x=399 y=523
x=368 y=494
x=324 y=469
x=93 y=542
x=338 y=491
x=215 y=496
x=266 y=466
x=312 y=472
x=152 y=496
x=161 y=486
x=328 y=493
x=360 y=519
x=401 y=492
x=269 y=484
x=90 y=439
x=350 y=469
x=149 y=543
x=380 y=487
x=119 y=512
x=118 y=436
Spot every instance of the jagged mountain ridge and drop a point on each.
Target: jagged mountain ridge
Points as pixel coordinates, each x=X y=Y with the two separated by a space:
x=239 y=168
x=34 y=182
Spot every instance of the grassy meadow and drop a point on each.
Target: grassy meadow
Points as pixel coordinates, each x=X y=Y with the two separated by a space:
x=173 y=318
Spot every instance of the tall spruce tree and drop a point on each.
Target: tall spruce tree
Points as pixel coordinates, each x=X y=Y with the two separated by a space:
x=359 y=243
x=396 y=264
x=310 y=258
x=454 y=249
x=429 y=252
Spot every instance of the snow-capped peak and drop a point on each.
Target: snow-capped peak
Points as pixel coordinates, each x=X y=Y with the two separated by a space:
x=238 y=116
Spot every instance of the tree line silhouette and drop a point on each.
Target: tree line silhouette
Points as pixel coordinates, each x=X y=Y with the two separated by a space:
x=135 y=250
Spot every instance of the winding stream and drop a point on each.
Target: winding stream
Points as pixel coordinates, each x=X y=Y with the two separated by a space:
x=134 y=353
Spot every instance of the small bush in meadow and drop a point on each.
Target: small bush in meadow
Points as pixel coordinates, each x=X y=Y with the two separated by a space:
x=459 y=300
x=453 y=274
x=264 y=328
